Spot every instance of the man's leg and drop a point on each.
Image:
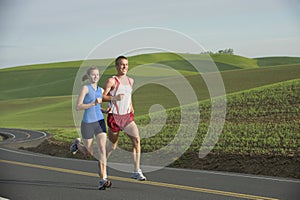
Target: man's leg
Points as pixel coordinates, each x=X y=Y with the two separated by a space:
x=112 y=142
x=132 y=131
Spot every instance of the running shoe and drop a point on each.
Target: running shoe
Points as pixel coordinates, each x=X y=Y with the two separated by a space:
x=139 y=175
x=74 y=147
x=104 y=183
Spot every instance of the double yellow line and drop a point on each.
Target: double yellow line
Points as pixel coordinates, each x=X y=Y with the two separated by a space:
x=160 y=184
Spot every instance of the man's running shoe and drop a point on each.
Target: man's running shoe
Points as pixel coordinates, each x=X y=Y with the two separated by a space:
x=104 y=183
x=74 y=147
x=139 y=175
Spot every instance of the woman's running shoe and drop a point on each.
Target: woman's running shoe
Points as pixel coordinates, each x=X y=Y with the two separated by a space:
x=104 y=183
x=74 y=147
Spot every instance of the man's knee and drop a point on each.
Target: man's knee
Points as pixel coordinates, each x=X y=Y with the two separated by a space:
x=136 y=140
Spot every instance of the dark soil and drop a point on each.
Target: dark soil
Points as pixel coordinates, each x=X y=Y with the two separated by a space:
x=280 y=166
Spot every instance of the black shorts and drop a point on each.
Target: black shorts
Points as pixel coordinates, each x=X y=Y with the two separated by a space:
x=88 y=130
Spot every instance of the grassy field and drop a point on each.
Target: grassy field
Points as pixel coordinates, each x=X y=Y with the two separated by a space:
x=272 y=61
x=263 y=100
x=264 y=120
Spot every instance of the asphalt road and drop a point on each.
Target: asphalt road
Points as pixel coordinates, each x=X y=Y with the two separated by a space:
x=20 y=135
x=26 y=175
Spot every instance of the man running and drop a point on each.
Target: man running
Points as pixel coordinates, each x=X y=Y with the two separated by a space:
x=117 y=91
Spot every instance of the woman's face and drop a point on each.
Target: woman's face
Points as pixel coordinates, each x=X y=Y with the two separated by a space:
x=94 y=76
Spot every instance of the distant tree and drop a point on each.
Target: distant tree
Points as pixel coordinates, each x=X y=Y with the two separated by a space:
x=207 y=52
x=221 y=51
x=226 y=51
x=229 y=51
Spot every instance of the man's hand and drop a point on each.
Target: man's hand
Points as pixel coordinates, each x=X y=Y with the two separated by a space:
x=119 y=97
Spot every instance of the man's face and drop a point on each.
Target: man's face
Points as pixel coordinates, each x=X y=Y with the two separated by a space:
x=122 y=66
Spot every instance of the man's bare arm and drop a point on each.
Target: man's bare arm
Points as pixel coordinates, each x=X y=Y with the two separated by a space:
x=109 y=85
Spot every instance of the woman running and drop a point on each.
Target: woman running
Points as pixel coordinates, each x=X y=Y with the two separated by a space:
x=93 y=124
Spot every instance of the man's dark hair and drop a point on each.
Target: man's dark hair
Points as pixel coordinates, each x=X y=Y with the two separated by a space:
x=119 y=58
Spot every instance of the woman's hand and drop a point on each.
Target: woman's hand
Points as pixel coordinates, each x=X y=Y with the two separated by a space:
x=98 y=100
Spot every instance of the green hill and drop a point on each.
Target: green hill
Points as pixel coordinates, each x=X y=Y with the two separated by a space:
x=28 y=87
x=179 y=61
x=42 y=82
x=272 y=61
x=234 y=60
x=57 y=79
x=37 y=113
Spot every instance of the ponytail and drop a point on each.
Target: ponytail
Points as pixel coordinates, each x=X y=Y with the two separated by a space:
x=85 y=77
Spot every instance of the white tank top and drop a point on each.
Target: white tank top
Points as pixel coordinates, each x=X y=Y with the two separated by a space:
x=124 y=106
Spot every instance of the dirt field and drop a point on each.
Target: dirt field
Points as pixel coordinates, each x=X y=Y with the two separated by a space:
x=279 y=166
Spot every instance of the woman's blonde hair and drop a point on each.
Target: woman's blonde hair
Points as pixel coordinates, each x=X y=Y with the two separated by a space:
x=87 y=74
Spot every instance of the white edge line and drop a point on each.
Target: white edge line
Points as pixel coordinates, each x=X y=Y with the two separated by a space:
x=241 y=175
x=21 y=141
x=13 y=137
x=168 y=168
x=43 y=135
x=1 y=198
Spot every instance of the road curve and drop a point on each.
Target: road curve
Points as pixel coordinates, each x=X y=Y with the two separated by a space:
x=10 y=135
x=26 y=175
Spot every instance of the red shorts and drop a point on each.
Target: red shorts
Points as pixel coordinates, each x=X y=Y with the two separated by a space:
x=117 y=122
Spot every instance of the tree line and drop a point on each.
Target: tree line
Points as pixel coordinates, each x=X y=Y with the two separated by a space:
x=222 y=51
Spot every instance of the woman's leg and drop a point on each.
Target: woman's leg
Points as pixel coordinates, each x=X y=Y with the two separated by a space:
x=101 y=142
x=87 y=147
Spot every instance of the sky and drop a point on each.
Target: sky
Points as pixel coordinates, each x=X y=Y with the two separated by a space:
x=34 y=31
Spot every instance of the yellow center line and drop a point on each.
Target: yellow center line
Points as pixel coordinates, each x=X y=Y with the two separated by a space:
x=161 y=184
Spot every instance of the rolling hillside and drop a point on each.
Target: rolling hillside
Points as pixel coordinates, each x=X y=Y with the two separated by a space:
x=273 y=61
x=57 y=79
x=34 y=92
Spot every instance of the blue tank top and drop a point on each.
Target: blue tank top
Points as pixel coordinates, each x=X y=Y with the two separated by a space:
x=92 y=114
